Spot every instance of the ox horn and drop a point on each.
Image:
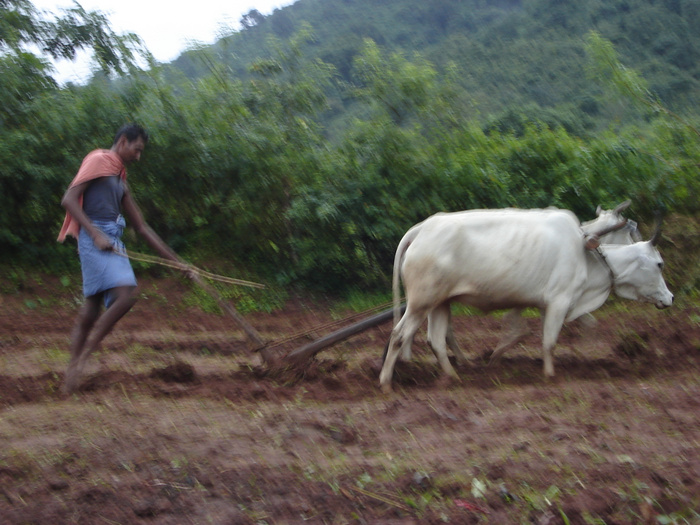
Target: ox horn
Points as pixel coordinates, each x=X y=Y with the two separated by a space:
x=622 y=207
x=656 y=236
x=593 y=239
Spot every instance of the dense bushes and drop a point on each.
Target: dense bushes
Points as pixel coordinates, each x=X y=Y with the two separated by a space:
x=243 y=171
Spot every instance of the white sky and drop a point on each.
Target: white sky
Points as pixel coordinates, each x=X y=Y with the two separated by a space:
x=166 y=28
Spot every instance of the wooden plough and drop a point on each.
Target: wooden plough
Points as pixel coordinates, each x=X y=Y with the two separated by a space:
x=311 y=349
x=257 y=342
x=307 y=351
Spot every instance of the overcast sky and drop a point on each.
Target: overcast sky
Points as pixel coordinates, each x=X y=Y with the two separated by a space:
x=167 y=28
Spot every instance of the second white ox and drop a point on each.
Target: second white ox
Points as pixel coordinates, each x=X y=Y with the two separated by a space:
x=512 y=258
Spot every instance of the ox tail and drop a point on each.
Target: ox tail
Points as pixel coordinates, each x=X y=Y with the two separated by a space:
x=405 y=242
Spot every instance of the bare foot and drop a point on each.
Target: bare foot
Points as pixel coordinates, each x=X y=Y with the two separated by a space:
x=72 y=380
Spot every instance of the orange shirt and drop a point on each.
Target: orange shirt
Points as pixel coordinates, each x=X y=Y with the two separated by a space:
x=97 y=163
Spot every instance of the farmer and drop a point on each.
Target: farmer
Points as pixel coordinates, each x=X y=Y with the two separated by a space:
x=94 y=203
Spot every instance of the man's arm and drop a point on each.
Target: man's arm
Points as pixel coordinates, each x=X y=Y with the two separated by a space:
x=71 y=203
x=135 y=218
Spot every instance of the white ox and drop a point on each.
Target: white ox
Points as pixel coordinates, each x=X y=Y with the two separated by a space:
x=620 y=231
x=511 y=258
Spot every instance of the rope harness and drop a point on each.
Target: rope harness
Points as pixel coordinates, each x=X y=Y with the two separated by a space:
x=142 y=257
x=604 y=259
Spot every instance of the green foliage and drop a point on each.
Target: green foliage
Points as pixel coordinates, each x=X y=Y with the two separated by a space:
x=510 y=53
x=43 y=128
x=80 y=29
x=246 y=300
x=21 y=25
x=18 y=24
x=307 y=171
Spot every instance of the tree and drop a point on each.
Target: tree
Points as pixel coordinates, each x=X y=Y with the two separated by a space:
x=399 y=86
x=22 y=26
x=35 y=153
x=675 y=148
x=252 y=19
x=606 y=65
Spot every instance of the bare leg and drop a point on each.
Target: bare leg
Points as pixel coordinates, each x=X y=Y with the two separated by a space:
x=86 y=319
x=91 y=329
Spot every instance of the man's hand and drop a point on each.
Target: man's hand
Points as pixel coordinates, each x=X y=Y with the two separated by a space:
x=191 y=272
x=104 y=243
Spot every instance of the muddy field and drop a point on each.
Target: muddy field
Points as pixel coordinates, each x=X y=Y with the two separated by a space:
x=177 y=423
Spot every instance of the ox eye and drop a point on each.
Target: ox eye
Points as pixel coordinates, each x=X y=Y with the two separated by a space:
x=661 y=266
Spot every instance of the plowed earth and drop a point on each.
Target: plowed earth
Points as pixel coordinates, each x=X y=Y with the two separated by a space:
x=177 y=423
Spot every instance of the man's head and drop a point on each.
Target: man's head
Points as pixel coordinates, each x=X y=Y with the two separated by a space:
x=129 y=142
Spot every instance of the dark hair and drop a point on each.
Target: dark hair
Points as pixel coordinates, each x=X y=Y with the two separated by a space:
x=131 y=132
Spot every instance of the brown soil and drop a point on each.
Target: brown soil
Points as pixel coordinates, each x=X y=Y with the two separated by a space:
x=177 y=423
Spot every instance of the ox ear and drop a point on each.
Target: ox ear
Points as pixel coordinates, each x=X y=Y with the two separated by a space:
x=622 y=207
x=610 y=229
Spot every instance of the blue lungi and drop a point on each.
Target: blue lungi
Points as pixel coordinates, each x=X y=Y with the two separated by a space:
x=104 y=270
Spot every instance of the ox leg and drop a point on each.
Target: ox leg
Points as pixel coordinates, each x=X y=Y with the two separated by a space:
x=517 y=330
x=438 y=328
x=553 y=321
x=406 y=353
x=452 y=341
x=401 y=338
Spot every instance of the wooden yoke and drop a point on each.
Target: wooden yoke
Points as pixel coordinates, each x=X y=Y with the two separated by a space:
x=592 y=240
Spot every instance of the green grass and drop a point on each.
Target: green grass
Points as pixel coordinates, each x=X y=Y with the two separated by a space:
x=245 y=300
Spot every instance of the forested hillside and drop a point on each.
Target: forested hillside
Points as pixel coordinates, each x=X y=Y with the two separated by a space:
x=298 y=150
x=507 y=54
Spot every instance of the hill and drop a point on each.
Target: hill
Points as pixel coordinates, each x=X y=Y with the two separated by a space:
x=507 y=53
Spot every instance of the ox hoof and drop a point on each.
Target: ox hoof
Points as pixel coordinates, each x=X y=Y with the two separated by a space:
x=493 y=358
x=386 y=389
x=448 y=381
x=451 y=375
